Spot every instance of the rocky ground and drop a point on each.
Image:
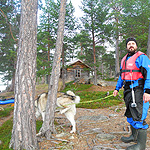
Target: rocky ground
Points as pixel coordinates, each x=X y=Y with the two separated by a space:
x=97 y=129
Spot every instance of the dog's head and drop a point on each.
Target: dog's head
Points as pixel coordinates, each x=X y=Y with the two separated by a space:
x=75 y=98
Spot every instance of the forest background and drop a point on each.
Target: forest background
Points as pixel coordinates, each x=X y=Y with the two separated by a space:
x=105 y=21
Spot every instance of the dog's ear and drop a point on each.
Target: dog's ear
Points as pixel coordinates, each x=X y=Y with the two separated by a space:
x=70 y=93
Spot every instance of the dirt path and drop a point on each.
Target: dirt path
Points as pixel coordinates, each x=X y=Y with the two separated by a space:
x=4 y=119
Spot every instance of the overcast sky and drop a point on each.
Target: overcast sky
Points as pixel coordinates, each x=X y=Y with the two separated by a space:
x=76 y=4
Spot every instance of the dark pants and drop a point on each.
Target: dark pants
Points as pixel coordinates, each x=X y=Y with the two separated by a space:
x=136 y=115
x=134 y=112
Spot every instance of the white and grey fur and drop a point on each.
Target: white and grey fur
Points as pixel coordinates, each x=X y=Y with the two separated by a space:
x=66 y=102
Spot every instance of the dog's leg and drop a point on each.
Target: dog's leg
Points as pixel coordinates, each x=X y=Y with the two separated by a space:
x=70 y=117
x=43 y=115
x=37 y=114
x=64 y=110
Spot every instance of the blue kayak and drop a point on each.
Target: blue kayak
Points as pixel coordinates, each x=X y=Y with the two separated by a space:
x=7 y=101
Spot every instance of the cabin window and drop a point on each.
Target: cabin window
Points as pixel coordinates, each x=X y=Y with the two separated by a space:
x=77 y=73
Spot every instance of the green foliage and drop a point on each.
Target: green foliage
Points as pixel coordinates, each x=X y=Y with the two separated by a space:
x=109 y=63
x=105 y=19
x=136 y=21
x=98 y=28
x=9 y=30
x=47 y=33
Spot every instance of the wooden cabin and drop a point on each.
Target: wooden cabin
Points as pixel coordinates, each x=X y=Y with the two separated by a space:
x=77 y=70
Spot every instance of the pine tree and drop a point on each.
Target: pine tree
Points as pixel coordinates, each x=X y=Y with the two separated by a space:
x=94 y=21
x=24 y=122
x=9 y=29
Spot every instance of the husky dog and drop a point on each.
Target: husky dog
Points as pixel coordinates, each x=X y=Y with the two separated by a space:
x=66 y=102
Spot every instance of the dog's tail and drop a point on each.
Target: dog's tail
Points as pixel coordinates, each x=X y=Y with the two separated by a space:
x=77 y=98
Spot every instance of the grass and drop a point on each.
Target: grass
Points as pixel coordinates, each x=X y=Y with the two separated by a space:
x=79 y=89
x=99 y=99
x=6 y=112
x=42 y=87
x=76 y=87
x=5 y=133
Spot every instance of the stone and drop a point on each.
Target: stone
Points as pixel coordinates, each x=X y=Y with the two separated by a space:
x=93 y=131
x=104 y=136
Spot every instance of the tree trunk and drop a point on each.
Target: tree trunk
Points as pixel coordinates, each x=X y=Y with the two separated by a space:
x=148 y=43
x=110 y=74
x=48 y=125
x=13 y=79
x=94 y=57
x=12 y=83
x=117 y=68
x=102 y=70
x=48 y=57
x=81 y=53
x=43 y=77
x=24 y=122
x=63 y=68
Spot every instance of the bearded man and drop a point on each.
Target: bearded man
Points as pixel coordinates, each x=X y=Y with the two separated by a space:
x=135 y=78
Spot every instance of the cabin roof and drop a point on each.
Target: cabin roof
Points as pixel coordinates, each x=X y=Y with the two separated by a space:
x=77 y=60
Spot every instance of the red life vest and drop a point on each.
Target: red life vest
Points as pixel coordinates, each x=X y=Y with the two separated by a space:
x=129 y=68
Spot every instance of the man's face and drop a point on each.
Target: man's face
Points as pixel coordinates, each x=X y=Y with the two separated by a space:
x=131 y=46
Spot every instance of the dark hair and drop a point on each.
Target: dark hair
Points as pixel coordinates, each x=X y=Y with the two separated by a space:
x=130 y=39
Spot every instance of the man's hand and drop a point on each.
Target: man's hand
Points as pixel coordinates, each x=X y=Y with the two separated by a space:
x=146 y=97
x=115 y=93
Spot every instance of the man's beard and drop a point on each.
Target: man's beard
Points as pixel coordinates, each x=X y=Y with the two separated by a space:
x=131 y=52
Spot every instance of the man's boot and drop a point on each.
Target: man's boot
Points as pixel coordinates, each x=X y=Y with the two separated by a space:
x=141 y=141
x=132 y=137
